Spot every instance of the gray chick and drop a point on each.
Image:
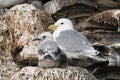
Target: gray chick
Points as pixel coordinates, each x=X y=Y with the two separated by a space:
x=48 y=51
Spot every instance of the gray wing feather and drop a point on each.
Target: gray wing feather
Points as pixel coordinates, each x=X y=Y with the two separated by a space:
x=73 y=41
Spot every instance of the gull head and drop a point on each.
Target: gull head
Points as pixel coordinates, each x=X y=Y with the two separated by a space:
x=63 y=24
x=43 y=36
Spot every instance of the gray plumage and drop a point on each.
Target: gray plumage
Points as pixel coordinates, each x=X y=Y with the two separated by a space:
x=48 y=51
x=73 y=43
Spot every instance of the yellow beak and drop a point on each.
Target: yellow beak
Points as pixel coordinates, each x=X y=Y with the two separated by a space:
x=53 y=27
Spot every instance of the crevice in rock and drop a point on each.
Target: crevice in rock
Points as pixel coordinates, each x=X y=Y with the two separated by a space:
x=16 y=52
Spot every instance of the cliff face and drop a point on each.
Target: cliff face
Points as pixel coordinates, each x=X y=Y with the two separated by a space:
x=98 y=20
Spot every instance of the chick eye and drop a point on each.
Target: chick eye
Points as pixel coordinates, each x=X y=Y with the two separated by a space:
x=62 y=23
x=44 y=36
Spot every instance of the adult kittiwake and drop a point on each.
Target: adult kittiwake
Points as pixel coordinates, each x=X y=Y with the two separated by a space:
x=73 y=43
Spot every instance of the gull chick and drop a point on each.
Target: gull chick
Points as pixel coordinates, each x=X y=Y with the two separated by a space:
x=48 y=51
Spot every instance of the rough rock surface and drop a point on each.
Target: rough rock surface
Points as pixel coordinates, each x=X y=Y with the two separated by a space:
x=102 y=27
x=107 y=4
x=28 y=55
x=72 y=9
x=5 y=38
x=25 y=22
x=7 y=67
x=69 y=73
x=55 y=5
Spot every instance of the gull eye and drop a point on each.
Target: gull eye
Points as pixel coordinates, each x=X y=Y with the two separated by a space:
x=62 y=23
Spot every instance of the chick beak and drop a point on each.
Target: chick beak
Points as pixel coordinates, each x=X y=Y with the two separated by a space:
x=53 y=27
x=36 y=39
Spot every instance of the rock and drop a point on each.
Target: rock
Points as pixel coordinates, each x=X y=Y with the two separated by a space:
x=115 y=45
x=102 y=27
x=28 y=55
x=107 y=4
x=108 y=20
x=110 y=73
x=25 y=22
x=69 y=73
x=71 y=9
x=5 y=38
x=54 y=6
x=7 y=67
